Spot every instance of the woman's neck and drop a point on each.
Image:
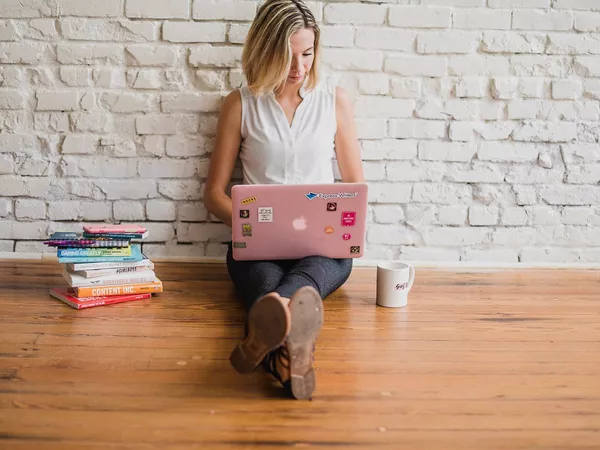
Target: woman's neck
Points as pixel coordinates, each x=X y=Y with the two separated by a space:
x=289 y=93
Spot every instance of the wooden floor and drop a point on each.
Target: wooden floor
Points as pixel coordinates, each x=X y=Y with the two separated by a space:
x=479 y=360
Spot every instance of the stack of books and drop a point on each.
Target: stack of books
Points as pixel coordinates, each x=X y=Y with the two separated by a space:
x=104 y=265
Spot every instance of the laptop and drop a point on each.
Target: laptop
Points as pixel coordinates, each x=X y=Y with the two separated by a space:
x=292 y=221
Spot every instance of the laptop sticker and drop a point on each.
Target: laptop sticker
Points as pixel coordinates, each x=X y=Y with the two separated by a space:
x=299 y=224
x=329 y=230
x=355 y=249
x=248 y=200
x=327 y=195
x=265 y=214
x=239 y=244
x=331 y=206
x=347 y=237
x=246 y=229
x=244 y=214
x=348 y=219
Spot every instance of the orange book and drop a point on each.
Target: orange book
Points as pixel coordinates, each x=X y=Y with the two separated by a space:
x=119 y=289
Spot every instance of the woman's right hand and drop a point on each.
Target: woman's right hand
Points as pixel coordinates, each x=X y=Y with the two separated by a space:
x=223 y=158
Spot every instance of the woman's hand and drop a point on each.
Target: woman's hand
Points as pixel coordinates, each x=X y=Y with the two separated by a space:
x=346 y=142
x=222 y=161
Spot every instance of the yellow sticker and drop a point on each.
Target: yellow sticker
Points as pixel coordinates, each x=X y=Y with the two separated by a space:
x=329 y=230
x=246 y=229
x=249 y=200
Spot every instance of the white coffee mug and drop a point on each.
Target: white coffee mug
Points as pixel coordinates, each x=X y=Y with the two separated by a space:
x=394 y=281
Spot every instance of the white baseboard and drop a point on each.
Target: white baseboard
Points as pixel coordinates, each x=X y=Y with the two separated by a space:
x=359 y=262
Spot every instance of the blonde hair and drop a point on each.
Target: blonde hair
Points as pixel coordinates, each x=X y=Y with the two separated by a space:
x=267 y=54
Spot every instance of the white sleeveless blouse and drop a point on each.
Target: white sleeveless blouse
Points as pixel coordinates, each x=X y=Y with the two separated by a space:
x=273 y=152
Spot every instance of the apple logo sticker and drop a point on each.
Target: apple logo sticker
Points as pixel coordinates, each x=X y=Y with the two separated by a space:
x=299 y=224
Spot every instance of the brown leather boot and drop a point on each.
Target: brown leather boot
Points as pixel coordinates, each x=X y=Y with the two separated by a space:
x=268 y=325
x=293 y=364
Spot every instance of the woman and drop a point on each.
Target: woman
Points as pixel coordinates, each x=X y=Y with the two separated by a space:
x=286 y=128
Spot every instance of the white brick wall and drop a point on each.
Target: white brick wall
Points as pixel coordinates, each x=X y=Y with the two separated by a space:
x=478 y=120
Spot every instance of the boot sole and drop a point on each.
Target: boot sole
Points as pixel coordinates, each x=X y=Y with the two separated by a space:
x=269 y=323
x=307 y=321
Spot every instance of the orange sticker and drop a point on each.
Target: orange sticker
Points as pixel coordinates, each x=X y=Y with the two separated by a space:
x=329 y=230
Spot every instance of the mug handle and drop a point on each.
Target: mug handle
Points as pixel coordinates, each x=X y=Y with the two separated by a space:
x=411 y=275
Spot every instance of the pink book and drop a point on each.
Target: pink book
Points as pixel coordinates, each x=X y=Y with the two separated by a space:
x=114 y=229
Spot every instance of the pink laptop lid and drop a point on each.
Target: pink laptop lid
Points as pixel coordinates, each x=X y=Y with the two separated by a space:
x=292 y=221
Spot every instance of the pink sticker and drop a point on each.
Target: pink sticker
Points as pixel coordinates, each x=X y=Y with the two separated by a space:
x=348 y=219
x=346 y=237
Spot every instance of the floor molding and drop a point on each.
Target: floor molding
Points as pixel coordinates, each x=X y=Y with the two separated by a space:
x=454 y=265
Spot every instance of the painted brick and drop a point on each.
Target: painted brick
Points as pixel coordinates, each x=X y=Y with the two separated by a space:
x=79 y=29
x=444 y=194
x=456 y=236
x=452 y=215
x=21 y=9
x=385 y=39
x=28 y=209
x=425 y=65
x=483 y=215
x=191 y=212
x=511 y=42
x=355 y=13
x=524 y=19
x=209 y=56
x=508 y=152
x=567 y=89
x=337 y=36
x=481 y=19
x=127 y=210
x=351 y=59
x=64 y=210
x=166 y=124
x=79 y=144
x=23 y=52
x=420 y=17
x=390 y=149
x=157 y=9
x=519 y=3
x=90 y=8
x=429 y=254
x=89 y=54
x=148 y=55
x=96 y=211
x=194 y=32
x=447 y=42
x=224 y=10
x=447 y=151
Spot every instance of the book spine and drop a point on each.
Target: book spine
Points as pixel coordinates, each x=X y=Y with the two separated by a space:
x=114 y=235
x=88 y=243
x=118 y=230
x=116 y=271
x=78 y=266
x=67 y=252
x=99 y=259
x=140 y=278
x=104 y=301
x=102 y=291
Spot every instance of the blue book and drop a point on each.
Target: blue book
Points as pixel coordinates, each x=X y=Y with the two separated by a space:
x=136 y=255
x=67 y=252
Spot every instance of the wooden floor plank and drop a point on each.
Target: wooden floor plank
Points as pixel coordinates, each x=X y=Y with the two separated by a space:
x=479 y=359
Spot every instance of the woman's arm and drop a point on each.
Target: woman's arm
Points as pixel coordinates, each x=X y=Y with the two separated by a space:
x=346 y=142
x=222 y=161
